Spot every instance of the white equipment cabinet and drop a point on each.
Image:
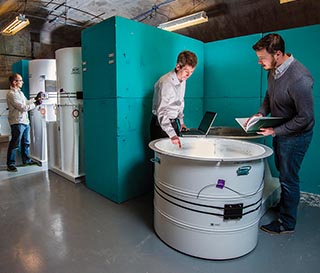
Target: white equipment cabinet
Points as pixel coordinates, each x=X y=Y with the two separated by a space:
x=42 y=73
x=66 y=151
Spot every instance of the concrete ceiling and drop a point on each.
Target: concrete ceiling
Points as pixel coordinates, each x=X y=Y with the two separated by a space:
x=65 y=19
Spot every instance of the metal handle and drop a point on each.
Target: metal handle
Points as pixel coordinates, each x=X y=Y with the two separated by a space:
x=155 y=160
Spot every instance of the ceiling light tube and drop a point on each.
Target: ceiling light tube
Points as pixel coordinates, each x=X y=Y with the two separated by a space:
x=186 y=21
x=285 y=1
x=16 y=25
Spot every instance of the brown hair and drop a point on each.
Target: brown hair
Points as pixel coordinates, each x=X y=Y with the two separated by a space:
x=271 y=42
x=187 y=58
x=13 y=77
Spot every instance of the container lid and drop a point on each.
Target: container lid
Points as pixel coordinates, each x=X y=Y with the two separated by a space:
x=212 y=149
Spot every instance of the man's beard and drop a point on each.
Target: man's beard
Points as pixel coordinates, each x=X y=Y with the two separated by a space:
x=273 y=66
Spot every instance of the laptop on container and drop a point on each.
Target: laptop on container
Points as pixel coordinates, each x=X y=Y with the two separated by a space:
x=203 y=128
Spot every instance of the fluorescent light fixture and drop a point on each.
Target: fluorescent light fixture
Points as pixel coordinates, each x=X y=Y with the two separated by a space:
x=186 y=21
x=286 y=1
x=16 y=25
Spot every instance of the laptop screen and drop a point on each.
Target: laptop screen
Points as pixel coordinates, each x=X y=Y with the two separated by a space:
x=207 y=121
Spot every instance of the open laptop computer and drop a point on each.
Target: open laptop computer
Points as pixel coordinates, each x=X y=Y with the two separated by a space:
x=203 y=128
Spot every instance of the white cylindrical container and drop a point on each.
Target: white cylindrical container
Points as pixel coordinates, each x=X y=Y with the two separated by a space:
x=42 y=76
x=5 y=129
x=70 y=161
x=208 y=195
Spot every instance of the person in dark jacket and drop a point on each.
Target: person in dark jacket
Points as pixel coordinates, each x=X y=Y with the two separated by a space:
x=289 y=95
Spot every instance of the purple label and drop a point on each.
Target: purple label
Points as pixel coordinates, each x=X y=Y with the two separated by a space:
x=220 y=183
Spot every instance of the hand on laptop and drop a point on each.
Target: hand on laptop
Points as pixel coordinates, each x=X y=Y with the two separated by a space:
x=184 y=128
x=255 y=115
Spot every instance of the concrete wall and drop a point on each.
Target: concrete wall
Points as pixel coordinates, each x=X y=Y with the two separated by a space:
x=24 y=45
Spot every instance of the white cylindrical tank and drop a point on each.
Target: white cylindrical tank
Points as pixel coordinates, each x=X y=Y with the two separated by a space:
x=5 y=129
x=69 y=161
x=42 y=77
x=207 y=195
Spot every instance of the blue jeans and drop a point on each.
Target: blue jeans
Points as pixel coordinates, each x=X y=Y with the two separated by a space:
x=289 y=152
x=20 y=134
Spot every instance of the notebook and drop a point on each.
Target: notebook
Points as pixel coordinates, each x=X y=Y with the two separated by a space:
x=204 y=126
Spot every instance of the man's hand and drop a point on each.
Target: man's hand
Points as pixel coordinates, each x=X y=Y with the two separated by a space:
x=38 y=99
x=176 y=140
x=255 y=115
x=266 y=132
x=184 y=128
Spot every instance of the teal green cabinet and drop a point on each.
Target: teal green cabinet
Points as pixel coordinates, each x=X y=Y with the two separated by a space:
x=122 y=59
x=22 y=67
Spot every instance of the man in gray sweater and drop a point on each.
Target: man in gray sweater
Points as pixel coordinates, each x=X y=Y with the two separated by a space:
x=289 y=95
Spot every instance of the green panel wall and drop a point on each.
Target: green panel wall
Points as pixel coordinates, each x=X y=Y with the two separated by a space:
x=117 y=154
x=101 y=153
x=232 y=79
x=145 y=53
x=22 y=67
x=135 y=168
x=98 y=56
x=231 y=66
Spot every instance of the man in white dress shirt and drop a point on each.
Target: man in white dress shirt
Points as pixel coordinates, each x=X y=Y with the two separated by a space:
x=168 y=99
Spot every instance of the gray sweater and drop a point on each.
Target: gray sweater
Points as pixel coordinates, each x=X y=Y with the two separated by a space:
x=290 y=96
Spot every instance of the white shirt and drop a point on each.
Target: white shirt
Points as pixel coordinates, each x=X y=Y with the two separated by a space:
x=283 y=67
x=168 y=101
x=18 y=107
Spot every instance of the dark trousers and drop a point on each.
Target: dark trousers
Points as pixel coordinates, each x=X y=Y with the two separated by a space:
x=156 y=130
x=289 y=152
x=20 y=135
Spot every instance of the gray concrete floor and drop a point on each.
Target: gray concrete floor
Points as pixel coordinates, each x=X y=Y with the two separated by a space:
x=50 y=225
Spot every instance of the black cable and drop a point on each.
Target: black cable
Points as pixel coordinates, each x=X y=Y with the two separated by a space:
x=25 y=6
x=239 y=193
x=201 y=205
x=150 y=11
x=158 y=190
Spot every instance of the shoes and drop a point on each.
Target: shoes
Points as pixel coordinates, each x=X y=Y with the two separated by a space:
x=30 y=163
x=12 y=168
x=276 y=227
